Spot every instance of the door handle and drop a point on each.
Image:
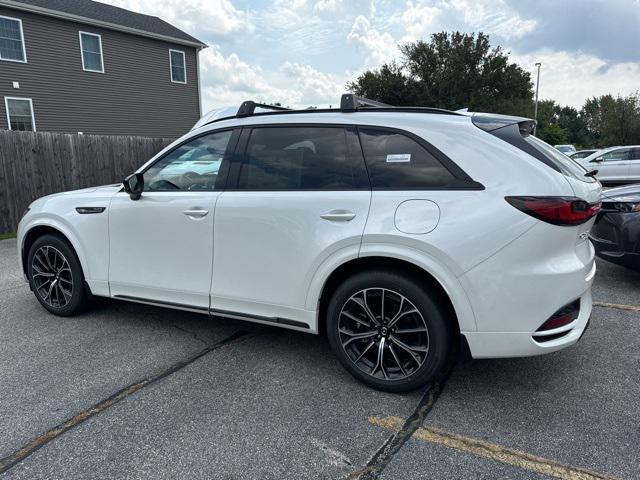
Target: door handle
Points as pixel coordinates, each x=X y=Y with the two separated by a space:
x=196 y=213
x=338 y=216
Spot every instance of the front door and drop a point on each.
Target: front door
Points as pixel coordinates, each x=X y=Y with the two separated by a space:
x=161 y=246
x=300 y=195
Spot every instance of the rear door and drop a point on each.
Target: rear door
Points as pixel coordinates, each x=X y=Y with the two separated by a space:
x=296 y=196
x=614 y=167
x=634 y=165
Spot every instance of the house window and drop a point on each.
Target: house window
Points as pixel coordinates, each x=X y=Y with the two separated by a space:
x=178 y=70
x=12 y=40
x=20 y=114
x=91 y=47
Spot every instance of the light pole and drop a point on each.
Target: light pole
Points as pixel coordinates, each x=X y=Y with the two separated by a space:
x=535 y=108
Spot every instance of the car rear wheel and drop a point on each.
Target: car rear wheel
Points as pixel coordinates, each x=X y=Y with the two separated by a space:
x=388 y=331
x=55 y=276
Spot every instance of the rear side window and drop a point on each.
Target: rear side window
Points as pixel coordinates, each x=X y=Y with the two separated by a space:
x=396 y=161
x=564 y=164
x=301 y=158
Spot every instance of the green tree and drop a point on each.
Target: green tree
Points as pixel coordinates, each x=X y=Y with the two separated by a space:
x=613 y=120
x=453 y=71
x=553 y=134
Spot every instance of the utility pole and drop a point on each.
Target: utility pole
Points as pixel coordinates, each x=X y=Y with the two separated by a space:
x=535 y=110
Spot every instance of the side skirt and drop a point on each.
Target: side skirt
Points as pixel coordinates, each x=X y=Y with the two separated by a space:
x=283 y=322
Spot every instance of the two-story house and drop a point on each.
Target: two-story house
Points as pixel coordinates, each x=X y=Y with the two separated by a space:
x=83 y=66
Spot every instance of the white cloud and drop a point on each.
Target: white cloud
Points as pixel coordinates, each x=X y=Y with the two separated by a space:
x=417 y=21
x=571 y=78
x=208 y=20
x=228 y=81
x=376 y=47
x=493 y=17
x=314 y=87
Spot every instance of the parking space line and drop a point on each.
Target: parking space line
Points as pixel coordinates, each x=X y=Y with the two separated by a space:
x=375 y=466
x=632 y=308
x=483 y=449
x=41 y=440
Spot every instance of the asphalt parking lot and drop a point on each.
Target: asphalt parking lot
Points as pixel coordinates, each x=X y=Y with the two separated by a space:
x=130 y=391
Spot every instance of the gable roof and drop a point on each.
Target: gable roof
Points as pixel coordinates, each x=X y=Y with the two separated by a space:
x=107 y=16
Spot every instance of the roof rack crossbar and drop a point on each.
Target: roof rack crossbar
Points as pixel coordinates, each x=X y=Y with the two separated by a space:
x=248 y=108
x=350 y=103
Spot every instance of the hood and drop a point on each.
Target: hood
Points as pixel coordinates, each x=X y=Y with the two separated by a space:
x=101 y=191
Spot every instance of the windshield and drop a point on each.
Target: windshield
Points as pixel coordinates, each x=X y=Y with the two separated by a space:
x=564 y=163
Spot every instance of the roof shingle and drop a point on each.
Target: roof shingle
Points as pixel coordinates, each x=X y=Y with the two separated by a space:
x=118 y=16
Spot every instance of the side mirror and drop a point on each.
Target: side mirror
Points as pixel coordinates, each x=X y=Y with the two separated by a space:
x=134 y=185
x=597 y=160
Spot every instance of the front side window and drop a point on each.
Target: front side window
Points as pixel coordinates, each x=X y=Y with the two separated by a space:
x=617 y=155
x=12 y=40
x=20 y=114
x=301 y=158
x=396 y=161
x=178 y=68
x=192 y=166
x=91 y=47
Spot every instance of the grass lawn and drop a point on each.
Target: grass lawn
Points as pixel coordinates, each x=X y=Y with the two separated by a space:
x=4 y=236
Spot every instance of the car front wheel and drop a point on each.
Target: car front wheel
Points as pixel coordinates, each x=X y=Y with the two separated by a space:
x=55 y=276
x=388 y=331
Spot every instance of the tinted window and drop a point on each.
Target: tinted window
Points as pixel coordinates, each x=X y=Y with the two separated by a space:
x=617 y=155
x=192 y=166
x=297 y=158
x=397 y=161
x=564 y=164
x=635 y=155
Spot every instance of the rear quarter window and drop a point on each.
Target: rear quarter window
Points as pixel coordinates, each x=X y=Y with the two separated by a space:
x=565 y=165
x=395 y=161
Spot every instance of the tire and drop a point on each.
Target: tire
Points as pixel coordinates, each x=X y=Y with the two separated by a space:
x=408 y=305
x=56 y=277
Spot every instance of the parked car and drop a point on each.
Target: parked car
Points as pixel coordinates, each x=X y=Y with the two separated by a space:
x=616 y=233
x=581 y=154
x=615 y=165
x=403 y=234
x=566 y=149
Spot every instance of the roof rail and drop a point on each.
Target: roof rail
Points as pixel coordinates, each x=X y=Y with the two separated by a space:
x=248 y=108
x=350 y=103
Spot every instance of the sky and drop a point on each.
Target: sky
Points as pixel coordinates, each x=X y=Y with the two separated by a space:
x=303 y=52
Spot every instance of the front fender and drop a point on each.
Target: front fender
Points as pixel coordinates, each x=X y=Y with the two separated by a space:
x=86 y=233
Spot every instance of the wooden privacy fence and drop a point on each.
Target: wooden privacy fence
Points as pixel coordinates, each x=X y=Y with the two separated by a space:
x=34 y=164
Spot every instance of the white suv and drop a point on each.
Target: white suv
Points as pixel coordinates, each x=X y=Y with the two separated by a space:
x=406 y=235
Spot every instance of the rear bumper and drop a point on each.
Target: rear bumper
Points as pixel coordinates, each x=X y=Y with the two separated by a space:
x=522 y=344
x=616 y=238
x=515 y=292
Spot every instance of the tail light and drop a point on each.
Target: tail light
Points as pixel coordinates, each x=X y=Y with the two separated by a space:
x=556 y=210
x=562 y=317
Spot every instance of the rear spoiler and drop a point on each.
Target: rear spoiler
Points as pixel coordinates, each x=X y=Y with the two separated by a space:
x=490 y=122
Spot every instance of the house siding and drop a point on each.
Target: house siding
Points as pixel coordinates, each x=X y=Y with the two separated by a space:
x=134 y=95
